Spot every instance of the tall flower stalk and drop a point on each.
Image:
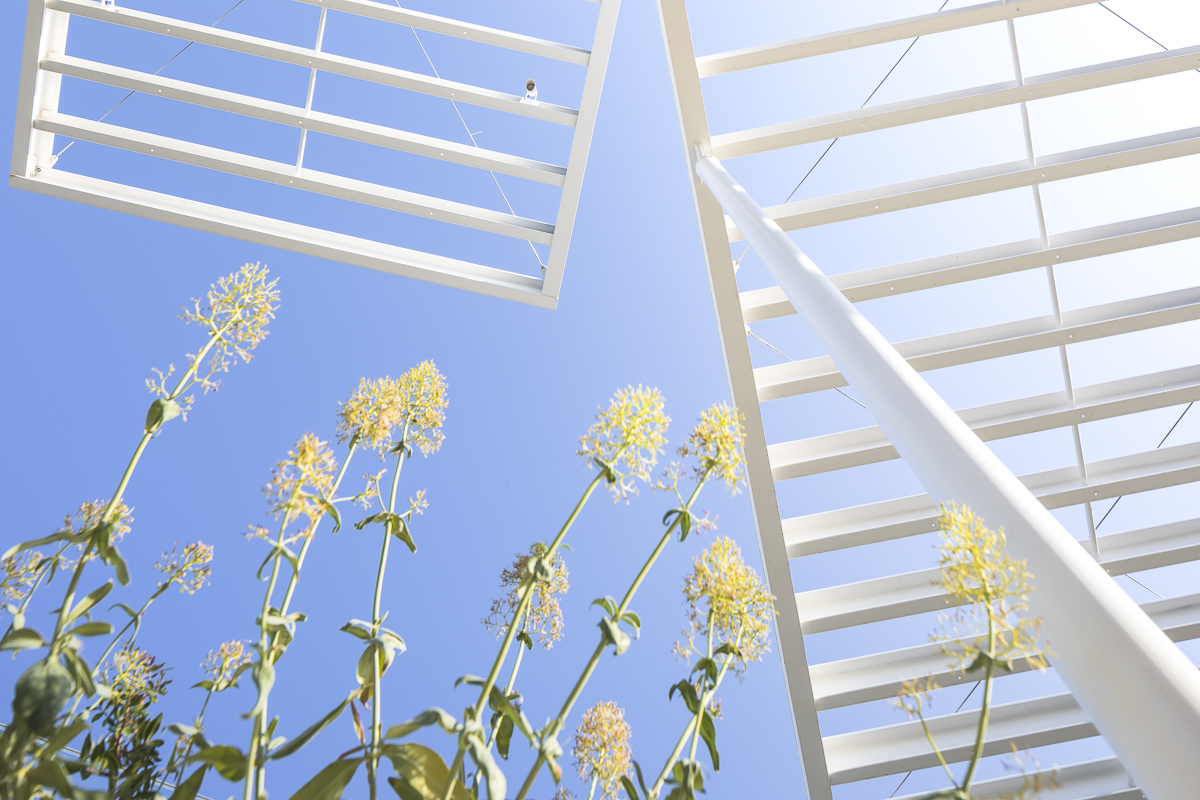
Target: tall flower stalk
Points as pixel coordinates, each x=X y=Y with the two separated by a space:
x=715 y=446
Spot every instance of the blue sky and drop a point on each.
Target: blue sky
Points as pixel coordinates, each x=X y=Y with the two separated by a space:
x=93 y=296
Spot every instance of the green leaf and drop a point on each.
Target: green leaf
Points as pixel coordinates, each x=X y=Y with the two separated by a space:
x=228 y=761
x=180 y=729
x=634 y=620
x=398 y=527
x=504 y=735
x=627 y=785
x=494 y=778
x=88 y=603
x=161 y=410
x=318 y=726
x=49 y=773
x=432 y=716
x=110 y=555
x=525 y=639
x=689 y=695
x=423 y=773
x=332 y=511
x=607 y=603
x=62 y=737
x=382 y=516
x=54 y=537
x=80 y=672
x=40 y=693
x=708 y=666
x=356 y=630
x=204 y=684
x=191 y=786
x=612 y=634
x=727 y=649
x=264 y=679
x=93 y=629
x=708 y=732
x=22 y=639
x=329 y=783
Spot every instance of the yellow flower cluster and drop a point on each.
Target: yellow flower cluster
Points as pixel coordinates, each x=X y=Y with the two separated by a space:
x=543 y=619
x=627 y=436
x=222 y=664
x=191 y=569
x=726 y=597
x=993 y=588
x=415 y=403
x=20 y=573
x=300 y=481
x=717 y=442
x=236 y=311
x=135 y=674
x=90 y=513
x=601 y=747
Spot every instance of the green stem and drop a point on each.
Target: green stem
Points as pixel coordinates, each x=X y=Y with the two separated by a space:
x=985 y=710
x=592 y=791
x=512 y=681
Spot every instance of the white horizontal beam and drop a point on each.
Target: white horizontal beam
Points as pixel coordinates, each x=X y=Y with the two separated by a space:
x=867 y=35
x=900 y=748
x=994 y=341
x=313 y=59
x=281 y=174
x=848 y=123
x=879 y=676
x=985 y=180
x=911 y=593
x=287 y=236
x=928 y=273
x=909 y=516
x=845 y=449
x=298 y=117
x=458 y=29
x=1103 y=779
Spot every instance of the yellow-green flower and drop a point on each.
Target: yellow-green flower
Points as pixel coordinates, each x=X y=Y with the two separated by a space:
x=300 y=481
x=543 y=619
x=717 y=443
x=236 y=311
x=601 y=747
x=20 y=573
x=413 y=404
x=89 y=514
x=135 y=675
x=191 y=569
x=626 y=438
x=726 y=597
x=222 y=664
x=993 y=590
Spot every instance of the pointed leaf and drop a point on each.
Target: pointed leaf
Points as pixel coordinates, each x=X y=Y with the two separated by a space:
x=93 y=629
x=433 y=716
x=399 y=528
x=49 y=773
x=228 y=761
x=190 y=786
x=22 y=639
x=356 y=630
x=86 y=604
x=329 y=783
x=62 y=737
x=264 y=679
x=160 y=411
x=494 y=778
x=689 y=695
x=708 y=732
x=307 y=736
x=423 y=773
x=612 y=634
x=332 y=511
x=504 y=736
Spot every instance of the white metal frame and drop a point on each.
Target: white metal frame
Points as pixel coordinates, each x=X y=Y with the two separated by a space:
x=45 y=62
x=1129 y=682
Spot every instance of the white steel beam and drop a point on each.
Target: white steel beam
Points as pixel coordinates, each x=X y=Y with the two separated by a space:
x=985 y=180
x=314 y=59
x=854 y=448
x=928 y=273
x=282 y=174
x=693 y=124
x=581 y=145
x=458 y=29
x=298 y=117
x=1101 y=638
x=1057 y=488
x=994 y=341
x=963 y=101
x=287 y=236
x=879 y=676
x=878 y=33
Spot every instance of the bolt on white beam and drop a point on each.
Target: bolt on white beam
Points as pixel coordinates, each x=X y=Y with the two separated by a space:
x=1141 y=692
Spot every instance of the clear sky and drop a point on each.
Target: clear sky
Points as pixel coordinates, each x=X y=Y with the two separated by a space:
x=93 y=295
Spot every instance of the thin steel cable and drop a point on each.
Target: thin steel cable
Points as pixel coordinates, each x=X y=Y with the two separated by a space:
x=160 y=69
x=1136 y=28
x=470 y=135
x=1160 y=444
x=960 y=708
x=789 y=358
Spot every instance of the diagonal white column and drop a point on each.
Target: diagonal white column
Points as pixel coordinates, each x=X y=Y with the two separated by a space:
x=1138 y=688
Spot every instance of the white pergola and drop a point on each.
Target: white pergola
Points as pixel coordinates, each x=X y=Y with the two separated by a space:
x=46 y=61
x=1128 y=681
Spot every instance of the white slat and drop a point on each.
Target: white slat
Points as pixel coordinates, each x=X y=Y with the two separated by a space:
x=1103 y=779
x=313 y=59
x=457 y=29
x=282 y=174
x=298 y=117
x=848 y=123
x=867 y=35
x=909 y=516
x=854 y=448
x=994 y=341
x=987 y=262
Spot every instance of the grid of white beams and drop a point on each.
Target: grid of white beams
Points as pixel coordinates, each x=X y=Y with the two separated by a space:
x=39 y=121
x=833 y=761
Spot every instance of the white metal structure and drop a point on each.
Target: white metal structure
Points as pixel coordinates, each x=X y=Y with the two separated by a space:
x=1129 y=682
x=46 y=61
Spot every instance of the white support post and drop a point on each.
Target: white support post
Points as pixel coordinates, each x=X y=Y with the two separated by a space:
x=1141 y=692
x=45 y=33
x=312 y=85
